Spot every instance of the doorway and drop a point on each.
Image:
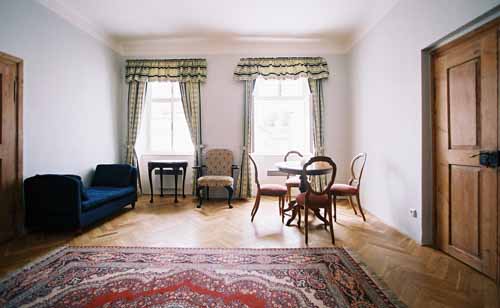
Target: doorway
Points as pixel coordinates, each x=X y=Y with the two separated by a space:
x=465 y=115
x=11 y=98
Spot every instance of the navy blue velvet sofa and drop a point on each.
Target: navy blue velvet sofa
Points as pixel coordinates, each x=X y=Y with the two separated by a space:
x=62 y=202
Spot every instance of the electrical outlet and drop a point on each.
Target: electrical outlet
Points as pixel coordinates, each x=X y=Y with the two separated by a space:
x=413 y=213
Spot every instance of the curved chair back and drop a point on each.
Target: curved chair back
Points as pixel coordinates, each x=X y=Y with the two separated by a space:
x=316 y=160
x=219 y=162
x=360 y=160
x=256 y=172
x=291 y=153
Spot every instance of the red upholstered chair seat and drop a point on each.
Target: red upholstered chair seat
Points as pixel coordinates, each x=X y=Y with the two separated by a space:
x=273 y=190
x=293 y=181
x=314 y=200
x=343 y=189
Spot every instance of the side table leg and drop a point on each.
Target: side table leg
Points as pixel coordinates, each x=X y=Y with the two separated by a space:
x=150 y=183
x=175 y=185
x=161 y=182
x=183 y=181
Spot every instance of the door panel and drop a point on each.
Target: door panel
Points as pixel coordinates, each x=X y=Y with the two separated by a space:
x=9 y=175
x=465 y=119
x=463 y=105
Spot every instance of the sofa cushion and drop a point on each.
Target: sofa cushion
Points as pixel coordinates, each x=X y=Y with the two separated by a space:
x=83 y=190
x=100 y=195
x=115 y=175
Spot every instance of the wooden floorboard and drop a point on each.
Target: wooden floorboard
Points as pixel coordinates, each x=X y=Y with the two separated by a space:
x=420 y=276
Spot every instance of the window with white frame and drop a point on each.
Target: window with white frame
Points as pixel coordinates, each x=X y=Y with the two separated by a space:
x=167 y=131
x=281 y=116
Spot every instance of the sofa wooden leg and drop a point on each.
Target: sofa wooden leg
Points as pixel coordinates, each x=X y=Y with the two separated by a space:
x=133 y=205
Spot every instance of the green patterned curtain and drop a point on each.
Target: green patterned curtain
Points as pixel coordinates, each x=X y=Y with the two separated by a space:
x=281 y=68
x=191 y=103
x=244 y=184
x=181 y=70
x=136 y=94
x=318 y=110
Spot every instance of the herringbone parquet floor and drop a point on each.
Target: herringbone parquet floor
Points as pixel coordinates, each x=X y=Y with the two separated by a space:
x=420 y=276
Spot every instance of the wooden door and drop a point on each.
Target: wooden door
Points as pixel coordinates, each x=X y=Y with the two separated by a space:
x=465 y=77
x=10 y=145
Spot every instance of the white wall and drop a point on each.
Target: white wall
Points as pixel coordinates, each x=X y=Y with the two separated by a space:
x=72 y=91
x=222 y=113
x=386 y=95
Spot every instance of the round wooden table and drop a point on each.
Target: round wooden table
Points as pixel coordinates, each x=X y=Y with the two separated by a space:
x=296 y=168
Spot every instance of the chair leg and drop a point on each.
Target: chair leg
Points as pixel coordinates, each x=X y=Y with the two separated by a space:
x=299 y=214
x=352 y=205
x=360 y=208
x=306 y=214
x=283 y=210
x=229 y=195
x=331 y=225
x=256 y=205
x=335 y=208
x=200 y=198
x=289 y=193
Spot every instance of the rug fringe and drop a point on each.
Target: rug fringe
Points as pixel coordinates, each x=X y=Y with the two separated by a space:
x=378 y=281
x=31 y=264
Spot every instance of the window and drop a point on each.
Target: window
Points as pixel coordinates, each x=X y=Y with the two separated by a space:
x=281 y=116
x=167 y=131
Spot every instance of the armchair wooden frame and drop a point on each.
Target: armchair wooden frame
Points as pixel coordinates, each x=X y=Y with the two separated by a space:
x=199 y=173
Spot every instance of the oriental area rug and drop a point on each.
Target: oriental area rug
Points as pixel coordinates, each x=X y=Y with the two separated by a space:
x=192 y=277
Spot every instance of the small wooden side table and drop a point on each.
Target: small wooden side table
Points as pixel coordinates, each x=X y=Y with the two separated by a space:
x=174 y=166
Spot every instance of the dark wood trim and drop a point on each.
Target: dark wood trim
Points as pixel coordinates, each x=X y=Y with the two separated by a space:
x=18 y=211
x=495 y=23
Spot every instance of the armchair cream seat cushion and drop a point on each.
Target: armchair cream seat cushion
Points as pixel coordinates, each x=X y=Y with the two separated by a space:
x=215 y=181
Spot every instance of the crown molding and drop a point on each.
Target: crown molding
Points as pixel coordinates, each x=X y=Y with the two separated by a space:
x=79 y=21
x=191 y=46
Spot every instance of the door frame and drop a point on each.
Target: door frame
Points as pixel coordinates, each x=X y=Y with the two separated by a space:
x=481 y=24
x=18 y=218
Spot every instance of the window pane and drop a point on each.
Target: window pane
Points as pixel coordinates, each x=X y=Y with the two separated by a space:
x=182 y=138
x=267 y=88
x=160 y=90
x=160 y=127
x=176 y=90
x=282 y=120
x=291 y=87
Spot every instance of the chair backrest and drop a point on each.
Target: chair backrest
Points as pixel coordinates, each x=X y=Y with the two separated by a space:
x=219 y=162
x=291 y=153
x=320 y=159
x=256 y=172
x=360 y=160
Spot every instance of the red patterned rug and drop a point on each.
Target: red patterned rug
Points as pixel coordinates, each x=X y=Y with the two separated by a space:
x=185 y=278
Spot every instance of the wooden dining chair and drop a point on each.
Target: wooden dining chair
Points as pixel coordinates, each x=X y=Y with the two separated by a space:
x=291 y=181
x=274 y=190
x=352 y=187
x=317 y=200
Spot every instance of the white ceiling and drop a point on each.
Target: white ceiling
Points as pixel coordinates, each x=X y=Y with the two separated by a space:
x=119 y=22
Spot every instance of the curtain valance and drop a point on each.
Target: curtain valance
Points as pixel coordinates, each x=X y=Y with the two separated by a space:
x=181 y=70
x=281 y=68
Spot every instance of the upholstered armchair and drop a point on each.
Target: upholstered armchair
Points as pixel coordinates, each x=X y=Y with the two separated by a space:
x=218 y=171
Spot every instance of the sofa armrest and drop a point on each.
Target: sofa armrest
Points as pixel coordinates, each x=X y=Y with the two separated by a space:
x=52 y=201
